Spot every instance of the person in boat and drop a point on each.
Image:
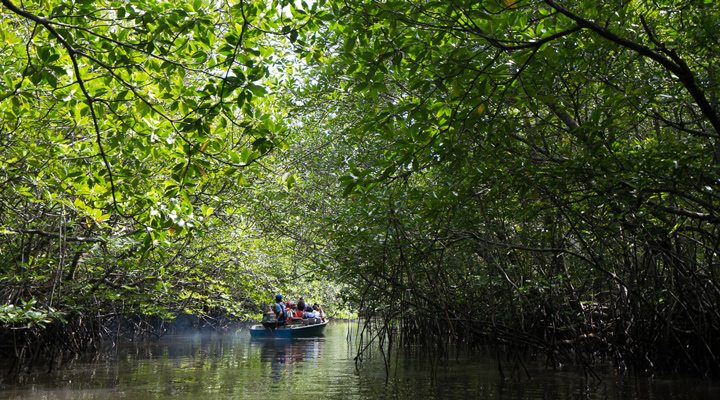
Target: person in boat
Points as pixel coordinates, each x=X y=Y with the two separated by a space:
x=298 y=312
x=291 y=312
x=309 y=313
x=319 y=313
x=280 y=310
x=301 y=304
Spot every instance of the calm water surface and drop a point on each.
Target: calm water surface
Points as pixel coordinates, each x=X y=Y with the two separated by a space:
x=231 y=366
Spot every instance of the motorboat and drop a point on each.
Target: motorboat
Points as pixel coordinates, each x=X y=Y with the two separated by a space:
x=297 y=328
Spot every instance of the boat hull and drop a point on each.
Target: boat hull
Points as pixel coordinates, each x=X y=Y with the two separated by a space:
x=289 y=331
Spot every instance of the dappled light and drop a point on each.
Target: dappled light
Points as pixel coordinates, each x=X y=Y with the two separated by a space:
x=528 y=180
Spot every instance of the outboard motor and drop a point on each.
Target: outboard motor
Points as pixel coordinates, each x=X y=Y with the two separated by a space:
x=269 y=321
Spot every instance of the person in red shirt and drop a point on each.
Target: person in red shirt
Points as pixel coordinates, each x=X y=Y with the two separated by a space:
x=291 y=310
x=301 y=304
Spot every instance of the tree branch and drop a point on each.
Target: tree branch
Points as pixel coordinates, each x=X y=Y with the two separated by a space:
x=57 y=235
x=73 y=53
x=675 y=64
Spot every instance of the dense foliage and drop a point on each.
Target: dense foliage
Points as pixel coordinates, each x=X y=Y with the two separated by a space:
x=535 y=173
x=539 y=174
x=134 y=139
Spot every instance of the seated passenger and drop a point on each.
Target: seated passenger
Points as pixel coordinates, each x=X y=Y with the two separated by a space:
x=280 y=310
x=319 y=313
x=301 y=304
x=291 y=309
x=309 y=313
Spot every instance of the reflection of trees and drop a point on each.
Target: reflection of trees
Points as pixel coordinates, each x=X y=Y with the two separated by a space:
x=192 y=364
x=210 y=366
x=284 y=355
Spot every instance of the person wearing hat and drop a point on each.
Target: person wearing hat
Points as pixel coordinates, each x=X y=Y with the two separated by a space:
x=280 y=310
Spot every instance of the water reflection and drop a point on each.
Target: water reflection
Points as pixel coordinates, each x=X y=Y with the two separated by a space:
x=286 y=355
x=232 y=366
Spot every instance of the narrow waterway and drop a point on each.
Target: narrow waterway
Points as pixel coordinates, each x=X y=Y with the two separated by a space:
x=232 y=366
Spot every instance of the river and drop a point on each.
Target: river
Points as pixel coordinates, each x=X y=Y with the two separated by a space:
x=232 y=366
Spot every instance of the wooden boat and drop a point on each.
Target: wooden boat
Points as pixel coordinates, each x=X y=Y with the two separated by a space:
x=311 y=327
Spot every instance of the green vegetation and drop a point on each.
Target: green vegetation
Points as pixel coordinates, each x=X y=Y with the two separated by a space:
x=136 y=141
x=539 y=175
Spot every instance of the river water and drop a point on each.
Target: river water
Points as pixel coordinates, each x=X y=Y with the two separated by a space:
x=232 y=366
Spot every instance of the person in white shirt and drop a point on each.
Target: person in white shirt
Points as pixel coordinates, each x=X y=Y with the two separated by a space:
x=319 y=313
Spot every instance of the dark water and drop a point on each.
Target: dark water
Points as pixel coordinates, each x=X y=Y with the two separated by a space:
x=231 y=366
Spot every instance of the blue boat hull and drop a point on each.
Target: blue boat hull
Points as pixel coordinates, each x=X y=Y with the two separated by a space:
x=288 y=332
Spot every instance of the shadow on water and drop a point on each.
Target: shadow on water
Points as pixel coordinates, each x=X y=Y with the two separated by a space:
x=232 y=366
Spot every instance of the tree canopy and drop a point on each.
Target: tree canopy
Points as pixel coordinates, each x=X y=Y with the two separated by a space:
x=537 y=172
x=529 y=169
x=134 y=141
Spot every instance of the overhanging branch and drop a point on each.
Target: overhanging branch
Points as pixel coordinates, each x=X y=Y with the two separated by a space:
x=674 y=64
x=57 y=235
x=73 y=53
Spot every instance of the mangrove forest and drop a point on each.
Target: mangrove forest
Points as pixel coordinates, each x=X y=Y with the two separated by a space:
x=531 y=178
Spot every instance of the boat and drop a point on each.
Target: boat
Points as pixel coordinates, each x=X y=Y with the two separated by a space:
x=310 y=327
